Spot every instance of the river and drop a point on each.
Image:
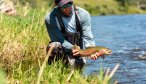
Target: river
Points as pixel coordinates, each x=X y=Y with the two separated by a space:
x=126 y=36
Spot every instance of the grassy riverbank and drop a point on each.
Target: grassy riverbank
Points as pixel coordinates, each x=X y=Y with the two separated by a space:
x=99 y=7
x=108 y=7
x=111 y=7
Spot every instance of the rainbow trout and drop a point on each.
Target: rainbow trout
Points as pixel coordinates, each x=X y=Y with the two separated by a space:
x=91 y=50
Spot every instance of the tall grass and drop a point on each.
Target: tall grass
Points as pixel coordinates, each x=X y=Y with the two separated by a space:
x=23 y=41
x=2 y=77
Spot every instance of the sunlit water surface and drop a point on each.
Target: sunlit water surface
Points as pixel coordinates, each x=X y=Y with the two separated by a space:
x=126 y=36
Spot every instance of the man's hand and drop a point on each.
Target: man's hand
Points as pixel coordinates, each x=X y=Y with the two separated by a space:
x=97 y=55
x=75 y=51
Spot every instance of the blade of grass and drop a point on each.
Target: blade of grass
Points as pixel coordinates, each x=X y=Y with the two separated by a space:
x=44 y=64
x=114 y=70
x=70 y=75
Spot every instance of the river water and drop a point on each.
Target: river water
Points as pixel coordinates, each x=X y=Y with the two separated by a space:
x=126 y=36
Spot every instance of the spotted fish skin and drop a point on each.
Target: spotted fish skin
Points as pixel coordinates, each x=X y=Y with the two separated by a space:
x=91 y=50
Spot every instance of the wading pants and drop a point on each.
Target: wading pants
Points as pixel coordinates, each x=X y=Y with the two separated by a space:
x=58 y=52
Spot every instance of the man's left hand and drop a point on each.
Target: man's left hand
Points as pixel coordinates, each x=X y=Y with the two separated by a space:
x=97 y=55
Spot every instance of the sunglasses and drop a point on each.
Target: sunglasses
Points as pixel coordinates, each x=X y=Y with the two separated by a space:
x=67 y=5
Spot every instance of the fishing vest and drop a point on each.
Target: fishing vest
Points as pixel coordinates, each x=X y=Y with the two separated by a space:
x=73 y=38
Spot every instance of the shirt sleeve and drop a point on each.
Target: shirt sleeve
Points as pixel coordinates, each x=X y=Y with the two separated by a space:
x=88 y=39
x=55 y=34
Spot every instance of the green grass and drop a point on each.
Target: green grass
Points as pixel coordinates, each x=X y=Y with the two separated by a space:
x=2 y=77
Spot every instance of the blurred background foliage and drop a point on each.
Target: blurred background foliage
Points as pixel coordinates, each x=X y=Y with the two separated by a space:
x=98 y=7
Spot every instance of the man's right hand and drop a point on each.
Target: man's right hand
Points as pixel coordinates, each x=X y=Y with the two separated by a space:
x=75 y=51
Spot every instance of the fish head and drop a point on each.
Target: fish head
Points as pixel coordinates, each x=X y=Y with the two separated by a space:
x=107 y=51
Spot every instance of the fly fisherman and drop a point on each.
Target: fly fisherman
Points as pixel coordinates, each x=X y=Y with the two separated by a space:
x=68 y=25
